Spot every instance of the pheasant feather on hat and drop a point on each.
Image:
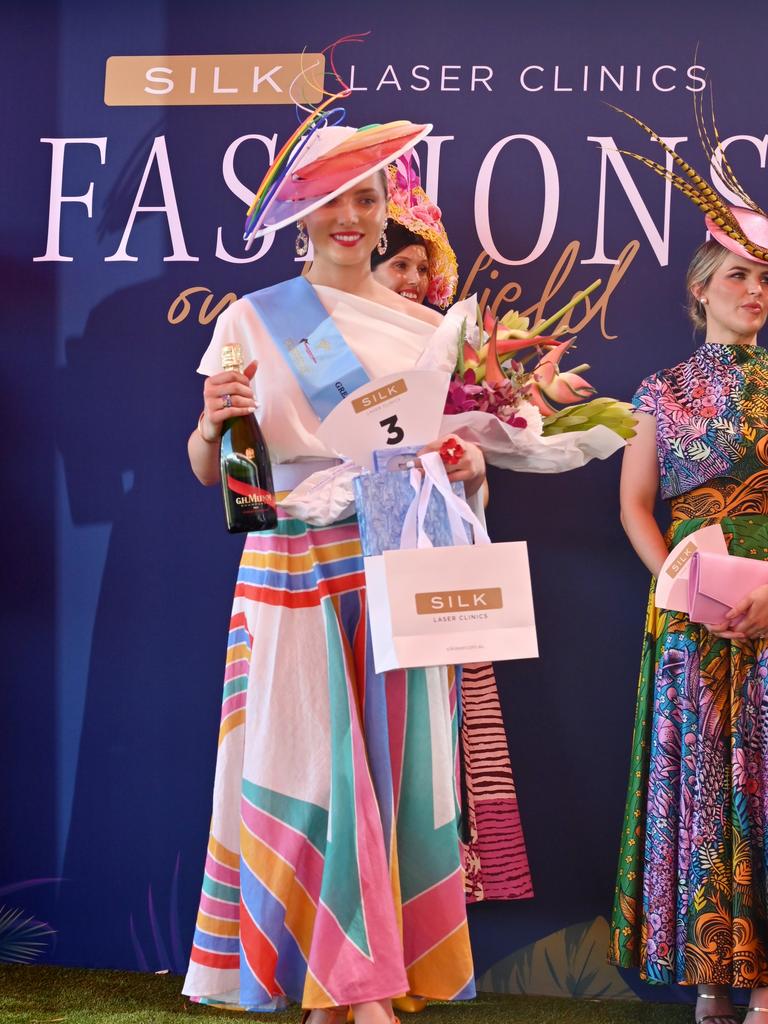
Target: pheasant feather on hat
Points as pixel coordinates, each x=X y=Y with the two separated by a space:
x=740 y=229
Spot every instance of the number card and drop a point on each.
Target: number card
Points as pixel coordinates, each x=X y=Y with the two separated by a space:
x=399 y=409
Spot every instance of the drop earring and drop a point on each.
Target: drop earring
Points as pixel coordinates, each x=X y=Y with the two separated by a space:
x=381 y=245
x=302 y=240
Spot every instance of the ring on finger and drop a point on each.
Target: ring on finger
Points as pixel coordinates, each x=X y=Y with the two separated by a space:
x=227 y=400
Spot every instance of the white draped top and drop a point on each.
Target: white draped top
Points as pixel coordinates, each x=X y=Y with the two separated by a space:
x=383 y=339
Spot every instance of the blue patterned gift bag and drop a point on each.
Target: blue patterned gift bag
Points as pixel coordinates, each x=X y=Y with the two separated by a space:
x=383 y=499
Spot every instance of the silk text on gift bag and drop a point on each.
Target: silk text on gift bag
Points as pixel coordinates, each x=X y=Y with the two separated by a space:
x=448 y=605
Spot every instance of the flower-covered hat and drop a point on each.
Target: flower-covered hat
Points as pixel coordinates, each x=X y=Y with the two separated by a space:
x=410 y=209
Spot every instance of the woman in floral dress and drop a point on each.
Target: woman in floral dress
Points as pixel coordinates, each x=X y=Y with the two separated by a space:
x=691 y=904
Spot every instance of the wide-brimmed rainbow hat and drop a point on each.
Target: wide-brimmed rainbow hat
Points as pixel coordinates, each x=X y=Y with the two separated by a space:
x=319 y=162
x=322 y=159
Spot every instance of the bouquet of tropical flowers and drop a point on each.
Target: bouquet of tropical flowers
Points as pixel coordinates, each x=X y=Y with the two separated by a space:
x=509 y=372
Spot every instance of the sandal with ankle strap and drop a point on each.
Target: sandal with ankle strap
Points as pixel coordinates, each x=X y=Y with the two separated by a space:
x=715 y=1016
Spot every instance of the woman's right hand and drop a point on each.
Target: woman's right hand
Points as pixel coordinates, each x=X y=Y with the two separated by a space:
x=236 y=387
x=746 y=620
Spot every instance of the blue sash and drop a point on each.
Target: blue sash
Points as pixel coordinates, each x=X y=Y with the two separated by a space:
x=324 y=365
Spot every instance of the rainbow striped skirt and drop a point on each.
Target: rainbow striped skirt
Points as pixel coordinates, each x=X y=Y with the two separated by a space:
x=333 y=872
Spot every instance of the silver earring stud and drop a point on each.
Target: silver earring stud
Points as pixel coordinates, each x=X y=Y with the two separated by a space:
x=302 y=240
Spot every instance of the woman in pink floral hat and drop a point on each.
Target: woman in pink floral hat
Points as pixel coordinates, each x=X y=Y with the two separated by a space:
x=420 y=265
x=417 y=261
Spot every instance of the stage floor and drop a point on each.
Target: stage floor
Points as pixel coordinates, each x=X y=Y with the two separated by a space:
x=56 y=995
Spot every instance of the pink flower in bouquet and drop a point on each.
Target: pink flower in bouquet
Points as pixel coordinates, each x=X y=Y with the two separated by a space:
x=462 y=394
x=502 y=400
x=508 y=370
x=548 y=384
x=504 y=344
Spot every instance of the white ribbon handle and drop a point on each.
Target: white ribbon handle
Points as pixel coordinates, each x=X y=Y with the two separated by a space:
x=413 y=534
x=409 y=536
x=459 y=511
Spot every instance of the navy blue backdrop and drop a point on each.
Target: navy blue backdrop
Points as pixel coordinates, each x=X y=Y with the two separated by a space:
x=118 y=570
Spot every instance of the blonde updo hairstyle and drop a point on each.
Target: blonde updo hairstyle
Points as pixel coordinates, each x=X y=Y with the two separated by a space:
x=705 y=262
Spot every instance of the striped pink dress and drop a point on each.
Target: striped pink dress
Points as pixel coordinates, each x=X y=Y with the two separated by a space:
x=495 y=859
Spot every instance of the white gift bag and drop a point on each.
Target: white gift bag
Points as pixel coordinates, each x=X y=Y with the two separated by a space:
x=448 y=605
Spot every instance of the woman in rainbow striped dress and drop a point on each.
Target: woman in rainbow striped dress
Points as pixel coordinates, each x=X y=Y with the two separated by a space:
x=333 y=873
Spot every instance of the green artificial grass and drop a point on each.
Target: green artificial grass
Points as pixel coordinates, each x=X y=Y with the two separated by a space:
x=57 y=995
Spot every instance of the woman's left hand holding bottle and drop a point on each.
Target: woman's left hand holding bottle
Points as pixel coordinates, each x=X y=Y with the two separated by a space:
x=225 y=395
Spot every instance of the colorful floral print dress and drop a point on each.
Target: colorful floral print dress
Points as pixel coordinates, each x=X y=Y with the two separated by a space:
x=691 y=903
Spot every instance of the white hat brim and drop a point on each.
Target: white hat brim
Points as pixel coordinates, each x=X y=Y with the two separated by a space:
x=310 y=207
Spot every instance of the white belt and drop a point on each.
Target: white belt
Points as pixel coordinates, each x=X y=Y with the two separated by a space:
x=287 y=475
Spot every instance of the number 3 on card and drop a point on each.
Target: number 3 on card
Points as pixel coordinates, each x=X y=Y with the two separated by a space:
x=401 y=408
x=395 y=434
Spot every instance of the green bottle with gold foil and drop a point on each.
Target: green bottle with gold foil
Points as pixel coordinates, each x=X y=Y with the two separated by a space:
x=246 y=470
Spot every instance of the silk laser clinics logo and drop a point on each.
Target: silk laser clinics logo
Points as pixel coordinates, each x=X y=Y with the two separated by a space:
x=214 y=79
x=372 y=398
x=476 y=600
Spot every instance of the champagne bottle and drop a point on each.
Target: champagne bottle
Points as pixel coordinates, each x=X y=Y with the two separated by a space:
x=246 y=470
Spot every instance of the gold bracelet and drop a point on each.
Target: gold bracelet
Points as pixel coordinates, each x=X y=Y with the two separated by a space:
x=207 y=440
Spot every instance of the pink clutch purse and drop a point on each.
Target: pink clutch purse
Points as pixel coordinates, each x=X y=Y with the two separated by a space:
x=718 y=582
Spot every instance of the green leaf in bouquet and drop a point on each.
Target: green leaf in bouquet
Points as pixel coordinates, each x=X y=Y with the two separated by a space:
x=576 y=420
x=540 y=328
x=514 y=322
x=605 y=411
x=462 y=342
